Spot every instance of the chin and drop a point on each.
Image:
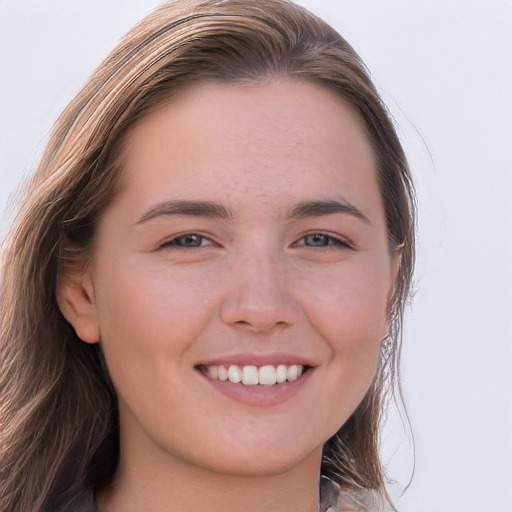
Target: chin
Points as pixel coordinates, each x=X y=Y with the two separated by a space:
x=263 y=457
x=265 y=464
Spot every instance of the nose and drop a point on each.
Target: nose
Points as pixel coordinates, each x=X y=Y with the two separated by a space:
x=259 y=298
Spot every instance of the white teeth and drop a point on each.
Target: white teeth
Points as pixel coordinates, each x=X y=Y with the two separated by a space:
x=214 y=372
x=222 y=373
x=250 y=375
x=281 y=373
x=292 y=373
x=267 y=375
x=235 y=374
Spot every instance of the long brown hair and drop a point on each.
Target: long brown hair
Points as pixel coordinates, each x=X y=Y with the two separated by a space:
x=59 y=415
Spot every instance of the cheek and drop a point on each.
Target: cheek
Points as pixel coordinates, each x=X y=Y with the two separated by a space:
x=349 y=306
x=358 y=325
x=348 y=310
x=148 y=318
x=353 y=325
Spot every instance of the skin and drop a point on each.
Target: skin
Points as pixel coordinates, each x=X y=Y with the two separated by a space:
x=254 y=284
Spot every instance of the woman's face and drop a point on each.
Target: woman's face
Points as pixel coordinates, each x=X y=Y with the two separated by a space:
x=248 y=237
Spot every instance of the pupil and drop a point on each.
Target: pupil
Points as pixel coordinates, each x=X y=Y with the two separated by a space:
x=189 y=240
x=316 y=240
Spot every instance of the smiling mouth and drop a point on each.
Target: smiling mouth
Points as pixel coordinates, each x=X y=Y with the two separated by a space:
x=267 y=375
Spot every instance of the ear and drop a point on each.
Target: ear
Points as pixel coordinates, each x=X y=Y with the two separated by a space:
x=75 y=297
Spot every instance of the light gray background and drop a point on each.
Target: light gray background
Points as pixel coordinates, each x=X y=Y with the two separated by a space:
x=444 y=68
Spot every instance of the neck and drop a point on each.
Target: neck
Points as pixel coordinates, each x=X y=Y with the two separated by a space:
x=165 y=484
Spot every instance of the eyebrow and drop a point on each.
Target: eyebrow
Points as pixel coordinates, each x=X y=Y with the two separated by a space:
x=193 y=208
x=209 y=209
x=325 y=207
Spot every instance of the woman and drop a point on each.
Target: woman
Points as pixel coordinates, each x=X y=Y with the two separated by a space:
x=203 y=290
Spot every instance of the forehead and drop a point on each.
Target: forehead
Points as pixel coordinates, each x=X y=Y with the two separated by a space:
x=279 y=142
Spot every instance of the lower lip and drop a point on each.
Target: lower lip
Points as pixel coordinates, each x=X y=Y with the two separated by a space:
x=260 y=395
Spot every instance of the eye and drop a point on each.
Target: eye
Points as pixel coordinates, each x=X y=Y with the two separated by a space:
x=322 y=240
x=318 y=240
x=187 y=241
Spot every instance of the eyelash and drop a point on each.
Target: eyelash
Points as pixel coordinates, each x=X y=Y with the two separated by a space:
x=331 y=242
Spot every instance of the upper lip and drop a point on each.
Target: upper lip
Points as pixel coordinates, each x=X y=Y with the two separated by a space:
x=247 y=359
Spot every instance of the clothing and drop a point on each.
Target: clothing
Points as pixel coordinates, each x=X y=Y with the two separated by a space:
x=349 y=498
x=346 y=502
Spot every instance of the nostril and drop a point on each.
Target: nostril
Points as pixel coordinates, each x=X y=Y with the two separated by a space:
x=257 y=313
